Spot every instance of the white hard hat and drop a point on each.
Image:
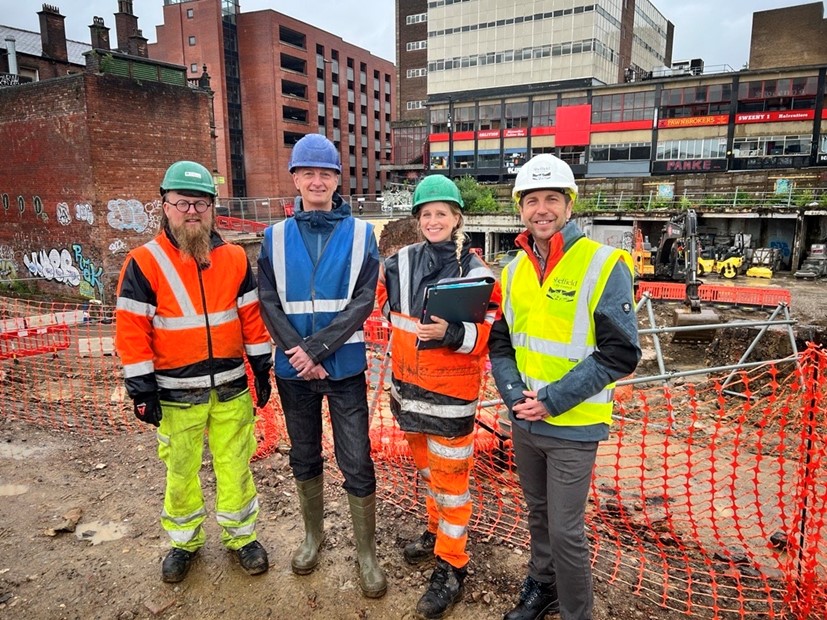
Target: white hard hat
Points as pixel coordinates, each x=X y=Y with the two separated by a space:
x=544 y=171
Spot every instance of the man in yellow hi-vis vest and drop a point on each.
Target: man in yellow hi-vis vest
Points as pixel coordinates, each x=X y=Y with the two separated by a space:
x=567 y=333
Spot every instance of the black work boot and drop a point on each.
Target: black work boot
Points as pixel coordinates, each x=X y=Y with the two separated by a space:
x=444 y=591
x=536 y=600
x=421 y=549
x=253 y=558
x=176 y=565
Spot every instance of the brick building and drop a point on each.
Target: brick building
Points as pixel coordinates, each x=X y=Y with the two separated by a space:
x=83 y=157
x=276 y=79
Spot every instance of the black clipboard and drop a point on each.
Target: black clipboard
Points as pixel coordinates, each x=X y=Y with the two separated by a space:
x=457 y=300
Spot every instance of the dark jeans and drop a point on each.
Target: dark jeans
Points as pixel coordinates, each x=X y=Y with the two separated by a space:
x=347 y=401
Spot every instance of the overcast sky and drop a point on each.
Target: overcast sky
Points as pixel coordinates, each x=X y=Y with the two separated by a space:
x=716 y=30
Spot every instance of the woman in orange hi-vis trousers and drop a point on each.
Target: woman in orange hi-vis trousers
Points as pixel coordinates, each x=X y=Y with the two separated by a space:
x=435 y=390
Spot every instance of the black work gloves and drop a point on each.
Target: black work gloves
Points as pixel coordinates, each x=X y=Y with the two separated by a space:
x=263 y=388
x=148 y=408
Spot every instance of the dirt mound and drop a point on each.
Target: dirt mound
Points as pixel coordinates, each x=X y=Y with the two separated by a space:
x=396 y=235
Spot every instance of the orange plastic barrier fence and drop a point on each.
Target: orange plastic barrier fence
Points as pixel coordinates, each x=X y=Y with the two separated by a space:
x=225 y=222
x=764 y=297
x=708 y=501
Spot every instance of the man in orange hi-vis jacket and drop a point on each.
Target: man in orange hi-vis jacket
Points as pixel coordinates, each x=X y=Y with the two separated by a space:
x=187 y=314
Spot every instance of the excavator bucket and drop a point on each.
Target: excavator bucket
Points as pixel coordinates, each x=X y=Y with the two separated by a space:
x=687 y=317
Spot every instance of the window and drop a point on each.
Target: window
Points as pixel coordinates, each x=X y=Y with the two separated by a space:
x=490 y=116
x=415 y=105
x=194 y=68
x=416 y=45
x=190 y=13
x=621 y=152
x=771 y=146
x=516 y=114
x=701 y=148
x=414 y=73
x=623 y=107
x=781 y=94
x=192 y=40
x=709 y=100
x=543 y=112
x=416 y=19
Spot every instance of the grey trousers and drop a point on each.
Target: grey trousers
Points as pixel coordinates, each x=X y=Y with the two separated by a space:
x=555 y=475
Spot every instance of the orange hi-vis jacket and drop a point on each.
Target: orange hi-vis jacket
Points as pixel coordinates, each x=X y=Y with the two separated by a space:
x=183 y=329
x=433 y=391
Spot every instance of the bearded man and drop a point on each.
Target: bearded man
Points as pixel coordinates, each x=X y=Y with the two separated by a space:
x=187 y=314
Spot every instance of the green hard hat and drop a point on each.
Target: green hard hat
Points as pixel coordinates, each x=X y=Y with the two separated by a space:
x=188 y=175
x=436 y=188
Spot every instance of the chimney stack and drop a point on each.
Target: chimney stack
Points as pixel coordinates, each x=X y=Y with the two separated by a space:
x=137 y=45
x=126 y=24
x=53 y=33
x=99 y=34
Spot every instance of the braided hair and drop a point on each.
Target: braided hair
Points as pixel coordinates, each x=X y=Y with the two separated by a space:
x=458 y=235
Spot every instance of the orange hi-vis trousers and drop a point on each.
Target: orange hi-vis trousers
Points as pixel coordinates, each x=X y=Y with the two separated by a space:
x=445 y=464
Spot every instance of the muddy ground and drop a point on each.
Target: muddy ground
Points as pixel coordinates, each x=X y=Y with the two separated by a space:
x=109 y=566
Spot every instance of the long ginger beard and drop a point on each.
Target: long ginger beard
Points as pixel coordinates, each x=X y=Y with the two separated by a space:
x=194 y=241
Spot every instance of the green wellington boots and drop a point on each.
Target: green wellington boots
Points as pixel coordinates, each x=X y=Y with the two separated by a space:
x=311 y=497
x=371 y=576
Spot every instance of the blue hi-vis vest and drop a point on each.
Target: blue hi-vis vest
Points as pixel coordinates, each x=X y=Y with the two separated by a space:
x=312 y=295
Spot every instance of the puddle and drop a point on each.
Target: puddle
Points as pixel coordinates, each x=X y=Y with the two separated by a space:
x=97 y=532
x=7 y=490
x=17 y=451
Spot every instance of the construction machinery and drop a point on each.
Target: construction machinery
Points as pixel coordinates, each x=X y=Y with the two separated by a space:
x=765 y=262
x=677 y=258
x=815 y=265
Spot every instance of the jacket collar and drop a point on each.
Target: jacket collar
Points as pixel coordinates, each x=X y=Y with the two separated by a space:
x=558 y=244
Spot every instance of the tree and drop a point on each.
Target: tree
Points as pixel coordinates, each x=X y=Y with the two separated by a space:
x=477 y=198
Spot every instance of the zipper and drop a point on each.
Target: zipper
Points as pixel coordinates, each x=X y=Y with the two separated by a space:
x=207 y=323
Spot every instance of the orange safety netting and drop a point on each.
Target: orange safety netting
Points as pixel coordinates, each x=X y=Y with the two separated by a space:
x=707 y=499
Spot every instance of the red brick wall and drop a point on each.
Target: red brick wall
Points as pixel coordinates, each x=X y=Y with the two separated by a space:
x=83 y=159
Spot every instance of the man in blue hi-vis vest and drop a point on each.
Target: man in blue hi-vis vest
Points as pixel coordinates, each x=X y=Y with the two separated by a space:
x=317 y=276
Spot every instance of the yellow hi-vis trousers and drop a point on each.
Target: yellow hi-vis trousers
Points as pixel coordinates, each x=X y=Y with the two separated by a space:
x=229 y=427
x=445 y=464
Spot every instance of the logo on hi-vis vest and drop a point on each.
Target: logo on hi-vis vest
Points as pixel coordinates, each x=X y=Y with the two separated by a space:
x=561 y=295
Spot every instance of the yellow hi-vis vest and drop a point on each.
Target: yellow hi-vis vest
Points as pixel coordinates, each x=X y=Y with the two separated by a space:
x=552 y=325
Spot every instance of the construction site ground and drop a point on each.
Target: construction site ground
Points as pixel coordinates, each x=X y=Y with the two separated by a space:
x=107 y=566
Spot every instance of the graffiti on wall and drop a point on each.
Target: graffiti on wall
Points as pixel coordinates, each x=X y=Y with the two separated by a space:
x=90 y=272
x=117 y=246
x=83 y=212
x=54 y=265
x=134 y=215
x=72 y=268
x=8 y=266
x=64 y=218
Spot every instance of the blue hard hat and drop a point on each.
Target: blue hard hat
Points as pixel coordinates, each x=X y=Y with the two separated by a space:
x=315 y=151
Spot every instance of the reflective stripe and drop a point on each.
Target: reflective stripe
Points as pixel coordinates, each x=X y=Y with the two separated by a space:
x=510 y=270
x=258 y=349
x=201 y=512
x=240 y=515
x=582 y=314
x=187 y=383
x=136 y=307
x=194 y=321
x=448 y=452
x=247 y=298
x=478 y=272
x=451 y=530
x=357 y=256
x=277 y=256
x=404 y=263
x=182 y=537
x=426 y=474
x=136 y=370
x=433 y=409
x=447 y=500
x=172 y=277
x=469 y=339
x=317 y=305
x=358 y=336
x=238 y=532
x=550 y=347
x=404 y=323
